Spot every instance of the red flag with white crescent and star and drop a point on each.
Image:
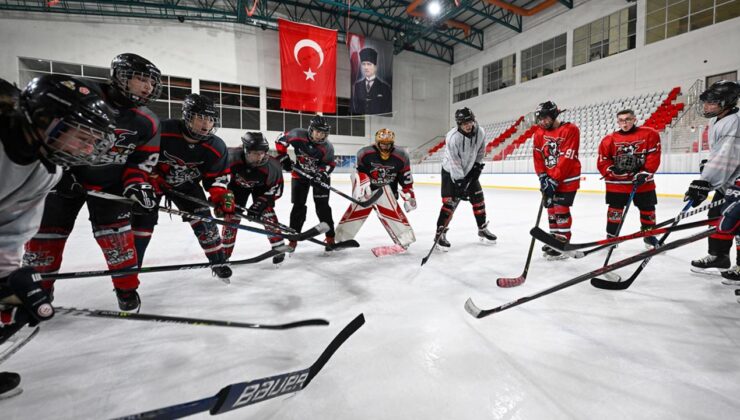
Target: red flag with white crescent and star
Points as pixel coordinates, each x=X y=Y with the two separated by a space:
x=308 y=67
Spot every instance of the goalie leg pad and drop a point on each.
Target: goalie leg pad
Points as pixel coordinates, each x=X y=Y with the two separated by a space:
x=394 y=219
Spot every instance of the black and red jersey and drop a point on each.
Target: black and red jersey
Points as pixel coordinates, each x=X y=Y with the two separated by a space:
x=556 y=154
x=643 y=142
x=183 y=163
x=132 y=157
x=392 y=171
x=262 y=181
x=310 y=157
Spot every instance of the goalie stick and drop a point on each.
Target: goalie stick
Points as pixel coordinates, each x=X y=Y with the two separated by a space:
x=242 y=394
x=156 y=269
x=98 y=313
x=366 y=203
x=517 y=281
x=310 y=233
x=546 y=238
x=339 y=245
x=623 y=285
x=477 y=312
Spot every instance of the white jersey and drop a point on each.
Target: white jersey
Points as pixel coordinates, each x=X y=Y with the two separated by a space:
x=22 y=193
x=462 y=152
x=723 y=165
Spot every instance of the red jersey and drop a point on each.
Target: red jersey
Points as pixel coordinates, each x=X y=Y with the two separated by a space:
x=556 y=154
x=643 y=142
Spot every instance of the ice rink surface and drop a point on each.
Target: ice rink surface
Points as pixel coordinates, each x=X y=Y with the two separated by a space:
x=667 y=348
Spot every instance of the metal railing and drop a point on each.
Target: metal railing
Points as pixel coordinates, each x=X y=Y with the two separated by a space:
x=688 y=128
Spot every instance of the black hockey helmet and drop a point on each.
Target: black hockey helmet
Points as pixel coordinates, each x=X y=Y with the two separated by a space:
x=199 y=106
x=464 y=115
x=8 y=96
x=254 y=141
x=127 y=66
x=544 y=110
x=318 y=124
x=724 y=93
x=68 y=119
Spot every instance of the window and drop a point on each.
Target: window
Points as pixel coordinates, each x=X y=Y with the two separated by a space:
x=342 y=122
x=605 y=36
x=499 y=74
x=732 y=75
x=32 y=67
x=543 y=59
x=238 y=106
x=174 y=91
x=465 y=86
x=667 y=18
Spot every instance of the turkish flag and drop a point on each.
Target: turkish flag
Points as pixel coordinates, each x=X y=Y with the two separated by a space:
x=308 y=67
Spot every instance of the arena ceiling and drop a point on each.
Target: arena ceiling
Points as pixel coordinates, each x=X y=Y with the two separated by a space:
x=407 y=24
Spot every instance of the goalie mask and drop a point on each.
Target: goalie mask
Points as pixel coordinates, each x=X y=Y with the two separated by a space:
x=384 y=142
x=255 y=148
x=722 y=94
x=136 y=78
x=67 y=119
x=200 y=117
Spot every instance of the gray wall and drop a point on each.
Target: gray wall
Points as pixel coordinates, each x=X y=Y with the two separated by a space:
x=226 y=53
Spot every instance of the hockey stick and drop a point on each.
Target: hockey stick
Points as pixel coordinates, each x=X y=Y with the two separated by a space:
x=455 y=203
x=516 y=281
x=242 y=394
x=156 y=269
x=477 y=312
x=616 y=277
x=344 y=244
x=622 y=285
x=574 y=249
x=367 y=203
x=97 y=313
x=316 y=230
x=5 y=355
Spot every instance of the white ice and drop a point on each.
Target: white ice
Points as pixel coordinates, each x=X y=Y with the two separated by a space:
x=666 y=348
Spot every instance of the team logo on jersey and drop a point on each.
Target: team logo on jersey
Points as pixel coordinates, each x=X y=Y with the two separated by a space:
x=308 y=163
x=247 y=183
x=551 y=151
x=121 y=148
x=629 y=148
x=382 y=174
x=179 y=171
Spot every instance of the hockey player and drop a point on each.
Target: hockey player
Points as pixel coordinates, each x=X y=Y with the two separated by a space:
x=191 y=153
x=556 y=162
x=461 y=167
x=381 y=165
x=314 y=156
x=62 y=121
x=628 y=158
x=730 y=225
x=123 y=170
x=257 y=174
x=719 y=103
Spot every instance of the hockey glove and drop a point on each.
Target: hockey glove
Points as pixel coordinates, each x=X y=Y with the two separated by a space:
x=409 y=199
x=286 y=163
x=68 y=186
x=223 y=200
x=730 y=222
x=143 y=195
x=362 y=187
x=640 y=178
x=35 y=301
x=460 y=189
x=257 y=208
x=698 y=192
x=322 y=176
x=475 y=172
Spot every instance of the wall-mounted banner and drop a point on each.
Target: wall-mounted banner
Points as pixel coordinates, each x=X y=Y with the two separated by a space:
x=308 y=67
x=371 y=63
